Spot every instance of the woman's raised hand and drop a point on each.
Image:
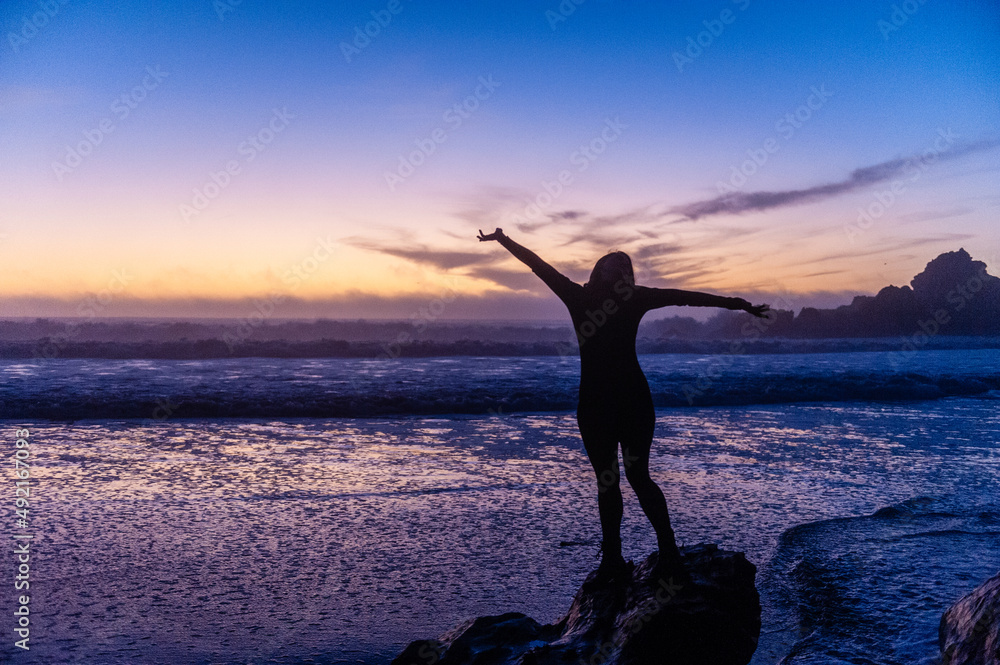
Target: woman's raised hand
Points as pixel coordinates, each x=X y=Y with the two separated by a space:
x=496 y=235
x=758 y=310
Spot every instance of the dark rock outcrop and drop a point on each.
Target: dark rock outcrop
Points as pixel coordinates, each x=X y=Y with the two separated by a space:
x=969 y=633
x=643 y=619
x=953 y=295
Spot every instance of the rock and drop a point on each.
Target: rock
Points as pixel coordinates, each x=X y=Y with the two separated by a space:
x=969 y=633
x=643 y=618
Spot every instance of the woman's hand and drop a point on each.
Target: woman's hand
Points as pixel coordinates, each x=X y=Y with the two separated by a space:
x=496 y=235
x=757 y=310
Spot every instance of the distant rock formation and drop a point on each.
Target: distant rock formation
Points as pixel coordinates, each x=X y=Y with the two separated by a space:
x=969 y=633
x=953 y=295
x=644 y=620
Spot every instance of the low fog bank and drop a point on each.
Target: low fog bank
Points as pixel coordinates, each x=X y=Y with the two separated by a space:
x=953 y=303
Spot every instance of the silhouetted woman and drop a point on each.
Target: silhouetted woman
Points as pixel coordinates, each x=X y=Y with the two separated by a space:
x=615 y=403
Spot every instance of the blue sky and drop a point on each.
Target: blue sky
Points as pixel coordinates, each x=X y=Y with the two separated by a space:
x=314 y=138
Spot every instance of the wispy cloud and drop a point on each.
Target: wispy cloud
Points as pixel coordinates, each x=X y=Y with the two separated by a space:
x=648 y=233
x=515 y=280
x=894 y=245
x=656 y=250
x=501 y=206
x=439 y=258
x=931 y=215
x=743 y=202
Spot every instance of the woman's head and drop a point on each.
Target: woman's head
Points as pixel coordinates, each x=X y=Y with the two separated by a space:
x=611 y=269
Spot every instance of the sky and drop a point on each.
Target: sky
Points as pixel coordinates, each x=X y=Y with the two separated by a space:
x=219 y=158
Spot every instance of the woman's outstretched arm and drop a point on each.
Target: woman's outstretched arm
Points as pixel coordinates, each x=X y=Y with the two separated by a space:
x=561 y=285
x=654 y=298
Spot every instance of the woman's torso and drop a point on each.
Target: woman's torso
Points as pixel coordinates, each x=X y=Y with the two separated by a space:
x=606 y=325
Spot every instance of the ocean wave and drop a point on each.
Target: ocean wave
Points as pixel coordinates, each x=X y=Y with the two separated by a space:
x=872 y=588
x=335 y=387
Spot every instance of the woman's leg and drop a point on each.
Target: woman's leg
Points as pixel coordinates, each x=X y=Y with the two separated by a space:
x=636 y=441
x=602 y=449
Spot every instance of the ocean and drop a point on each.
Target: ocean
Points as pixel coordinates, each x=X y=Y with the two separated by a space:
x=331 y=510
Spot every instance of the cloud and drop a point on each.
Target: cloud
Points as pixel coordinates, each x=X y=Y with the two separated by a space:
x=439 y=258
x=568 y=214
x=515 y=280
x=491 y=206
x=487 y=264
x=824 y=272
x=894 y=245
x=478 y=265
x=931 y=215
x=606 y=232
x=743 y=202
x=505 y=207
x=648 y=233
x=656 y=251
